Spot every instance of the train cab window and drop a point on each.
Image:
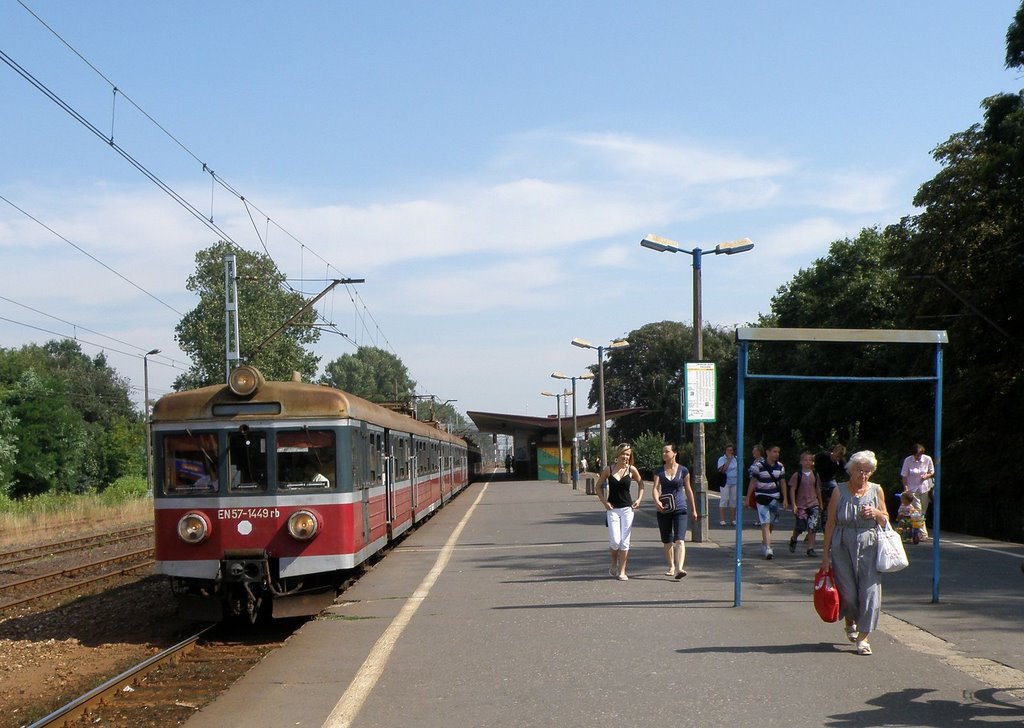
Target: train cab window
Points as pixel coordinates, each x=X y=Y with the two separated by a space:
x=247 y=460
x=305 y=460
x=190 y=464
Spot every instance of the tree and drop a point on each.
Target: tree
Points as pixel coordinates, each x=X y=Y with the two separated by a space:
x=649 y=374
x=372 y=374
x=108 y=429
x=8 y=446
x=50 y=437
x=263 y=306
x=967 y=242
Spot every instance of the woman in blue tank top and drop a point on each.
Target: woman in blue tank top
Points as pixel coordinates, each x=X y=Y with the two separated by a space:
x=672 y=479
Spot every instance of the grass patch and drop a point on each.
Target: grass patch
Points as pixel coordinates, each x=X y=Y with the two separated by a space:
x=53 y=516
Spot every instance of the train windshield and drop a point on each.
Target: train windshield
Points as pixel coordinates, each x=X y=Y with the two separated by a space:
x=305 y=460
x=190 y=463
x=247 y=460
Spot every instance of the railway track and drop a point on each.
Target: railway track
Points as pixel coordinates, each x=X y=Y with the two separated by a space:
x=67 y=714
x=41 y=551
x=77 y=583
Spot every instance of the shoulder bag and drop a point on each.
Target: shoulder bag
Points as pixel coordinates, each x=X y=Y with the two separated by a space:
x=891 y=554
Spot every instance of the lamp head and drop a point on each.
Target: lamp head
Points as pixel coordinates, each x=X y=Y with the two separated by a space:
x=582 y=344
x=660 y=244
x=558 y=375
x=736 y=246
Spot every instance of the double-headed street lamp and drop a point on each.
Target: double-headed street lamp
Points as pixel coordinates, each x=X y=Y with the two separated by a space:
x=620 y=344
x=145 y=397
x=558 y=414
x=664 y=245
x=575 y=430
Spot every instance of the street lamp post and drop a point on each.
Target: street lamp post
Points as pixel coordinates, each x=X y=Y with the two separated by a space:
x=145 y=397
x=664 y=245
x=619 y=344
x=575 y=429
x=558 y=414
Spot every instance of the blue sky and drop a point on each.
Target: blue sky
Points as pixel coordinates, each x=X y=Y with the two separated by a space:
x=488 y=167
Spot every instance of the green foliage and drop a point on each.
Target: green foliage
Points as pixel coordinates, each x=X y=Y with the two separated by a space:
x=8 y=446
x=1015 y=40
x=647 y=452
x=51 y=437
x=372 y=374
x=67 y=422
x=263 y=306
x=125 y=488
x=650 y=373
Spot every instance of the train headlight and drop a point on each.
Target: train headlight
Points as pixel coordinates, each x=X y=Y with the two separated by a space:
x=303 y=525
x=193 y=528
x=245 y=380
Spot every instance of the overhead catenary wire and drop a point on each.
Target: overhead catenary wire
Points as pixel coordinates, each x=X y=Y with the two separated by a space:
x=215 y=178
x=89 y=255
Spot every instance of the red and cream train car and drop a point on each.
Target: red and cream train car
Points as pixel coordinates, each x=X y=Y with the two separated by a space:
x=265 y=492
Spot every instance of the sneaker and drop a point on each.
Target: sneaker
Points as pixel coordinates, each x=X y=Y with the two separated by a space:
x=769 y=554
x=721 y=523
x=812 y=553
x=681 y=574
x=792 y=545
x=612 y=572
x=863 y=648
x=733 y=523
x=622 y=577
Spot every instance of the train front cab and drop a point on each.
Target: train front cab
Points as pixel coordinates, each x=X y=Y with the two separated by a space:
x=256 y=514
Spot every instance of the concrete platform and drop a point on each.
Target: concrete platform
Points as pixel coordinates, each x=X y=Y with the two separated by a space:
x=517 y=623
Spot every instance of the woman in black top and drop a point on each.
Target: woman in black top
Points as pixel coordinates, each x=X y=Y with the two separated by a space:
x=619 y=504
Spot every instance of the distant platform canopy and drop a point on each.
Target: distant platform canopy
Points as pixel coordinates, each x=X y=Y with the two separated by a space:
x=500 y=423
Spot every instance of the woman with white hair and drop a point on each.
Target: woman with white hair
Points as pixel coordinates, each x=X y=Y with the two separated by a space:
x=855 y=509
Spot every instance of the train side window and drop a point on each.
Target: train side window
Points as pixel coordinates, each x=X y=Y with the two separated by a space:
x=247 y=460
x=305 y=460
x=190 y=464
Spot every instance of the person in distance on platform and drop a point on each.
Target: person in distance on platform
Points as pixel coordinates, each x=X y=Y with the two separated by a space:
x=918 y=473
x=619 y=505
x=756 y=456
x=768 y=483
x=851 y=548
x=805 y=495
x=727 y=493
x=828 y=465
x=672 y=479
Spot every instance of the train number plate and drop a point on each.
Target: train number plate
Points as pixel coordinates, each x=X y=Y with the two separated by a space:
x=233 y=514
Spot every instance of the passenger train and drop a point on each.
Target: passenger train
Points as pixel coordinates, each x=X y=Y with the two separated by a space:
x=266 y=492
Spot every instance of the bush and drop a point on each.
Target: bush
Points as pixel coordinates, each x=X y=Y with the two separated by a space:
x=125 y=488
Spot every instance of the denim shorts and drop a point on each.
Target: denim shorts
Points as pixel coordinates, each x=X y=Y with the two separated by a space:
x=768 y=514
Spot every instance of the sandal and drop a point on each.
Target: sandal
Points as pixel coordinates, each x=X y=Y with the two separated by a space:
x=670 y=572
x=681 y=574
x=863 y=648
x=851 y=632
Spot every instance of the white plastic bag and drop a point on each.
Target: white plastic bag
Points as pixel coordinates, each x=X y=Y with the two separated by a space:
x=891 y=554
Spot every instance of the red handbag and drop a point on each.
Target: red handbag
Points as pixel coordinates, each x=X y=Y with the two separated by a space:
x=826 y=596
